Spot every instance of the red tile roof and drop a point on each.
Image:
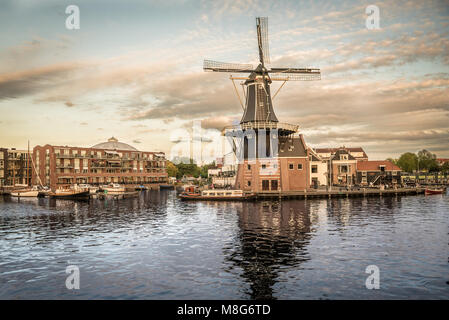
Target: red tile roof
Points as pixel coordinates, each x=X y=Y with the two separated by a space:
x=375 y=166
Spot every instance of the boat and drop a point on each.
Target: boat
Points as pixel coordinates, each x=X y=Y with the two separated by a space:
x=434 y=191
x=27 y=192
x=141 y=188
x=72 y=193
x=92 y=189
x=217 y=194
x=166 y=186
x=113 y=189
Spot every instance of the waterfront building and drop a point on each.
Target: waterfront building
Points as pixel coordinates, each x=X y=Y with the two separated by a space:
x=378 y=173
x=223 y=176
x=318 y=170
x=356 y=152
x=15 y=167
x=442 y=161
x=107 y=162
x=341 y=163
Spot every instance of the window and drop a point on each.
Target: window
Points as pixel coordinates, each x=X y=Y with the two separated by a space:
x=264 y=166
x=290 y=166
x=249 y=167
x=314 y=169
x=299 y=166
x=249 y=183
x=265 y=185
x=274 y=184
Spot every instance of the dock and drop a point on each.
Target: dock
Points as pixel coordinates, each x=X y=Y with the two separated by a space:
x=368 y=192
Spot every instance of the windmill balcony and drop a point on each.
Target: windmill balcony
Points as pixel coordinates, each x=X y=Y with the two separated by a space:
x=284 y=128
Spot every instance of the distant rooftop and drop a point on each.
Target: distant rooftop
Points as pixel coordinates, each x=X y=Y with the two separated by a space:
x=114 y=144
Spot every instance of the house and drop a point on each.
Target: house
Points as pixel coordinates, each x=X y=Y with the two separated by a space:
x=342 y=167
x=341 y=163
x=318 y=169
x=356 y=152
x=377 y=173
x=224 y=176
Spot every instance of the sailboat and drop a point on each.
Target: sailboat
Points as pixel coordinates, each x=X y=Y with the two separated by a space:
x=25 y=190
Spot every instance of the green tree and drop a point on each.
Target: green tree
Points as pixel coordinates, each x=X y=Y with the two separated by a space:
x=427 y=161
x=445 y=167
x=188 y=169
x=394 y=161
x=172 y=170
x=408 y=162
x=205 y=168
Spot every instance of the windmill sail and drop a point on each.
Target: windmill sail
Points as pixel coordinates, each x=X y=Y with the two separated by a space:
x=262 y=40
x=210 y=65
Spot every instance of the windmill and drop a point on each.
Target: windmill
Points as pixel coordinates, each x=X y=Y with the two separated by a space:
x=258 y=107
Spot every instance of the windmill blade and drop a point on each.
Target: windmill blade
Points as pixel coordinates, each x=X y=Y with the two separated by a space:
x=295 y=74
x=262 y=40
x=216 y=66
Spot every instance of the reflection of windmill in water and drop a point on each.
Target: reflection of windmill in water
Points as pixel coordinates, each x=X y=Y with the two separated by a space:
x=272 y=239
x=260 y=136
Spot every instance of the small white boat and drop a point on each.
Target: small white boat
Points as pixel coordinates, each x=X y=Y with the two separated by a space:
x=26 y=193
x=92 y=189
x=113 y=189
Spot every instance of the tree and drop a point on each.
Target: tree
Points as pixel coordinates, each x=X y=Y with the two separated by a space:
x=427 y=161
x=445 y=167
x=188 y=169
x=205 y=169
x=172 y=170
x=394 y=161
x=408 y=162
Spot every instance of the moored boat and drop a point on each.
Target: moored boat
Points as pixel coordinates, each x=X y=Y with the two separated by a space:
x=113 y=189
x=434 y=191
x=218 y=195
x=27 y=192
x=72 y=193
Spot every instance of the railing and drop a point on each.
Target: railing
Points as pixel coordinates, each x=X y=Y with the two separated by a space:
x=263 y=125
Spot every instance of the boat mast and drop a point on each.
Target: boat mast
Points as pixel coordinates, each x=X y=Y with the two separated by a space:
x=28 y=163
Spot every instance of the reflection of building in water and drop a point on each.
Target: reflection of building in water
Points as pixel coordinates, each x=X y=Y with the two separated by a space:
x=271 y=235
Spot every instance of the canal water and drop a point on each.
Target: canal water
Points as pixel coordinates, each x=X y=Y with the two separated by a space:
x=158 y=247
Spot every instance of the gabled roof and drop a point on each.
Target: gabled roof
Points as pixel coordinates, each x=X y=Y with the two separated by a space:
x=349 y=149
x=375 y=165
x=313 y=155
x=292 y=147
x=339 y=152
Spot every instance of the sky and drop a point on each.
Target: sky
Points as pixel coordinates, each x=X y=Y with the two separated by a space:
x=133 y=70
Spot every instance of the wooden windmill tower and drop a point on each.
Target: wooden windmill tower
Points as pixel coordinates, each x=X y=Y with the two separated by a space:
x=261 y=139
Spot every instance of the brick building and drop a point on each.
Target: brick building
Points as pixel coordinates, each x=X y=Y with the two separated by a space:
x=15 y=168
x=286 y=170
x=377 y=172
x=342 y=163
x=108 y=162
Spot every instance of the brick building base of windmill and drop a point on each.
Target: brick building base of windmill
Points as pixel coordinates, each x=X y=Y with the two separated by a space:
x=273 y=157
